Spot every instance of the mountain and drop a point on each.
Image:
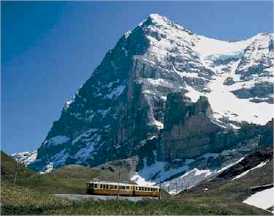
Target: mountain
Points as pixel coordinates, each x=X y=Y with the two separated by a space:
x=25 y=158
x=183 y=103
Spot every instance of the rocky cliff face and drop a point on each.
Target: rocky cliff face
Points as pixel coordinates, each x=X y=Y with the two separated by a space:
x=187 y=128
x=165 y=94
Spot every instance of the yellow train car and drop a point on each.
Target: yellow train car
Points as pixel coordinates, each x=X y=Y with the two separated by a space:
x=112 y=188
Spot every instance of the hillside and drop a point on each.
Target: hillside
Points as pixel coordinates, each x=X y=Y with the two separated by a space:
x=235 y=184
x=33 y=195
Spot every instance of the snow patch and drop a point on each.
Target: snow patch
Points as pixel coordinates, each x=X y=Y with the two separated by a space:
x=104 y=112
x=247 y=171
x=158 y=124
x=116 y=92
x=225 y=104
x=193 y=94
x=186 y=181
x=263 y=199
x=48 y=168
x=57 y=140
x=213 y=47
x=68 y=103
x=156 y=173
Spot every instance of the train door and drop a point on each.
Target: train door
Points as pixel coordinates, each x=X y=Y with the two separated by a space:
x=134 y=190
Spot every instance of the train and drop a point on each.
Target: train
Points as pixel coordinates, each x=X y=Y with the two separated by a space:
x=121 y=189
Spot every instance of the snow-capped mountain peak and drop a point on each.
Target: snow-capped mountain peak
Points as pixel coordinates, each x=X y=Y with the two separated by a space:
x=160 y=84
x=25 y=157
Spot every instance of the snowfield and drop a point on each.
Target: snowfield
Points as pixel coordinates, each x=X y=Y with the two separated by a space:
x=226 y=105
x=185 y=177
x=263 y=199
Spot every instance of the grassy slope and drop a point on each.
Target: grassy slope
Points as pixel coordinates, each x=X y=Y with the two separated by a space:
x=238 y=189
x=22 y=201
x=71 y=179
x=32 y=195
x=17 y=200
x=231 y=193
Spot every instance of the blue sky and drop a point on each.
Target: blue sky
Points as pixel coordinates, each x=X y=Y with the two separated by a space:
x=49 y=49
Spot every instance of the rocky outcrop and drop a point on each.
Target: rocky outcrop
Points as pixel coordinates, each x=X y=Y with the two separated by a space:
x=188 y=128
x=249 y=162
x=260 y=92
